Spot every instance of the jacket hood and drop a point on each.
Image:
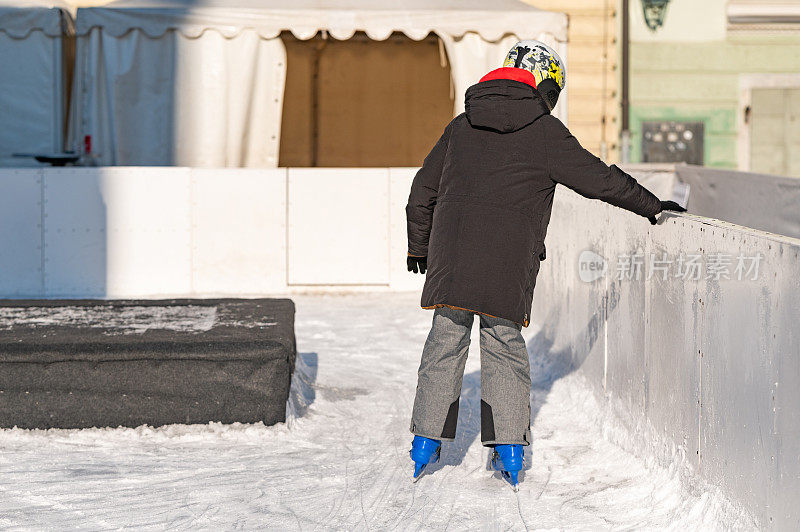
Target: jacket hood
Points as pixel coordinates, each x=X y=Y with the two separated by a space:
x=503 y=105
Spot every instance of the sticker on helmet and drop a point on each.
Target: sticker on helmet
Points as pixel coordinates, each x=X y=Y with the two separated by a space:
x=539 y=59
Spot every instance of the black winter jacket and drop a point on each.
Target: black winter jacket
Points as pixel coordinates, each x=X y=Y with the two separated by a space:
x=480 y=205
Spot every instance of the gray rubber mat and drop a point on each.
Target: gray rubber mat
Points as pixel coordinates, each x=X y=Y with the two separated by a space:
x=90 y=363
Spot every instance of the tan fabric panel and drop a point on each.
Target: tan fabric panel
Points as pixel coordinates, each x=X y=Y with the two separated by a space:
x=378 y=103
x=296 y=121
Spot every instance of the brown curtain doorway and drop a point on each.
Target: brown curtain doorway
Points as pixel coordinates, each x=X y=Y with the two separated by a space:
x=363 y=103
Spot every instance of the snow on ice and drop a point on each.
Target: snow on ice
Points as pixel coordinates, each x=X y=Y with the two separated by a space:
x=341 y=461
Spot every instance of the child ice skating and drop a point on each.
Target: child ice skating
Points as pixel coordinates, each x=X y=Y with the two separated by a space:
x=477 y=217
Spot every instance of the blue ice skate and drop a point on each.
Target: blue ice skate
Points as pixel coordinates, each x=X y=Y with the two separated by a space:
x=424 y=451
x=508 y=458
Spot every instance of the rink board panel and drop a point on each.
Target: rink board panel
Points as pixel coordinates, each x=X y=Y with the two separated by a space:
x=703 y=371
x=91 y=363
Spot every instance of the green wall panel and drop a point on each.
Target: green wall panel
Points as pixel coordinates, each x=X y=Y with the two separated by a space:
x=700 y=82
x=722 y=56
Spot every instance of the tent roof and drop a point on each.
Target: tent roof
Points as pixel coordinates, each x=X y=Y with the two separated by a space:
x=492 y=19
x=20 y=17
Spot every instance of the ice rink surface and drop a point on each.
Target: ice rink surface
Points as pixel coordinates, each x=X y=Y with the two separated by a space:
x=341 y=462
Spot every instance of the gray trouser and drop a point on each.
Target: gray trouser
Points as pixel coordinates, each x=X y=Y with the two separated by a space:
x=505 y=379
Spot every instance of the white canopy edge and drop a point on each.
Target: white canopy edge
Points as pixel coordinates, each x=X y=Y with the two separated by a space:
x=491 y=24
x=19 y=18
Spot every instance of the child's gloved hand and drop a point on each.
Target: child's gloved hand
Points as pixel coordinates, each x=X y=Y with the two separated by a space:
x=667 y=206
x=417 y=264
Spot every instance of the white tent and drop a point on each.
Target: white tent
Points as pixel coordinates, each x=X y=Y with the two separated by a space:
x=32 y=96
x=200 y=83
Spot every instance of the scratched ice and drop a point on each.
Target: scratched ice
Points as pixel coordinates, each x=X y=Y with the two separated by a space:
x=342 y=462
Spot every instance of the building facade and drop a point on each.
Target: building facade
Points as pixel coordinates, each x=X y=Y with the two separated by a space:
x=718 y=84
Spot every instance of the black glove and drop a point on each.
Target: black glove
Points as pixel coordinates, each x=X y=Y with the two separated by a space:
x=667 y=206
x=417 y=264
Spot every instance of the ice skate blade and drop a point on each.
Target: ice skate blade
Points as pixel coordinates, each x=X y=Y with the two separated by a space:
x=512 y=479
x=419 y=471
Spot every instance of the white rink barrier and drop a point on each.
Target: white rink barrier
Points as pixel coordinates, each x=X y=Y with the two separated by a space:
x=179 y=232
x=707 y=369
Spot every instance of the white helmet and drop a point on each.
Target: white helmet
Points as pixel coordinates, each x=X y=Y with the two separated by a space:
x=545 y=65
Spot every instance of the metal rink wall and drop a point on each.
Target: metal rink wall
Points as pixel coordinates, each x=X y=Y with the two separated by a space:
x=709 y=368
x=767 y=202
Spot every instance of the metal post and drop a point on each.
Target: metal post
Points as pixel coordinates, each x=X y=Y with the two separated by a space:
x=626 y=133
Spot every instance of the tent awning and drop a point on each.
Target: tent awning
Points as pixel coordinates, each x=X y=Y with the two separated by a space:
x=491 y=19
x=19 y=18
